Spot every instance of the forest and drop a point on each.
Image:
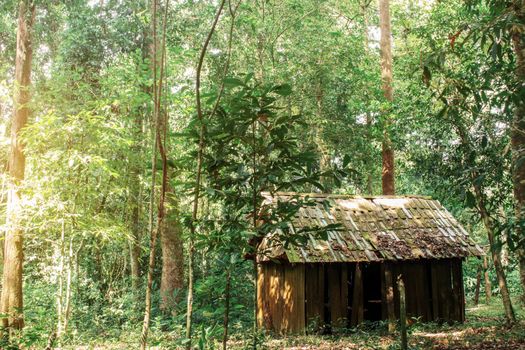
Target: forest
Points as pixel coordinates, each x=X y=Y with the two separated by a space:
x=151 y=149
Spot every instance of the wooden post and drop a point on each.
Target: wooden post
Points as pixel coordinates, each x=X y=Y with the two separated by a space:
x=402 y=313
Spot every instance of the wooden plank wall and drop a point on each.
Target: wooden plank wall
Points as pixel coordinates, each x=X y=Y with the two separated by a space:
x=315 y=294
x=338 y=293
x=291 y=297
x=443 y=301
x=281 y=297
x=293 y=318
x=434 y=289
x=458 y=289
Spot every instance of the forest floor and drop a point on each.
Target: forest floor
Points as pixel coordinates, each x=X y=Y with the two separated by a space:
x=484 y=329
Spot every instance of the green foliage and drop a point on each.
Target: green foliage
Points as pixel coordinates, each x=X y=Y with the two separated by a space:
x=307 y=116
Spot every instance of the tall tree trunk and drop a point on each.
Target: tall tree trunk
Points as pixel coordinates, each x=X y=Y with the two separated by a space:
x=11 y=300
x=172 y=278
x=500 y=273
x=518 y=136
x=226 y=320
x=488 y=285
x=478 y=286
x=386 y=78
x=325 y=159
x=489 y=226
x=160 y=142
x=134 y=247
x=136 y=205
x=197 y=188
x=369 y=119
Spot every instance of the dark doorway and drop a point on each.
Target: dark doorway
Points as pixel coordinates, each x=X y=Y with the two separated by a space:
x=372 y=292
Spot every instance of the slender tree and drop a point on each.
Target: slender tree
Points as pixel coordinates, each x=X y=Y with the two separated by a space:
x=197 y=187
x=160 y=131
x=488 y=222
x=386 y=77
x=172 y=276
x=11 y=300
x=518 y=132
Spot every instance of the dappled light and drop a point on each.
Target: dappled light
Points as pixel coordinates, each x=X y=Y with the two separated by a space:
x=276 y=174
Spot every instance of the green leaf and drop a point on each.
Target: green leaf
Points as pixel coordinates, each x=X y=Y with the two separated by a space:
x=282 y=90
x=232 y=82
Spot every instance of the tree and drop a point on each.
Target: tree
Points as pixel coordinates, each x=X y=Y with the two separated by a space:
x=11 y=300
x=386 y=77
x=172 y=277
x=517 y=30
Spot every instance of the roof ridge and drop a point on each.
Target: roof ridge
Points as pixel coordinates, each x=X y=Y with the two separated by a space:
x=350 y=196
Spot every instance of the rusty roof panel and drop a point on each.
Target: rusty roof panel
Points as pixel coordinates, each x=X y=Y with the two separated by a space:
x=372 y=229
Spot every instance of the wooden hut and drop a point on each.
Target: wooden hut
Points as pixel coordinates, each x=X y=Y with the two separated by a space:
x=351 y=276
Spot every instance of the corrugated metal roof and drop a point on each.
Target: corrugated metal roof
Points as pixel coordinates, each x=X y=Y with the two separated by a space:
x=371 y=229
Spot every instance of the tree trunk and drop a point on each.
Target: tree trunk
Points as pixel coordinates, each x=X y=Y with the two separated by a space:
x=500 y=273
x=197 y=188
x=518 y=136
x=386 y=78
x=489 y=227
x=11 y=300
x=134 y=242
x=172 y=279
x=369 y=119
x=60 y=294
x=160 y=142
x=488 y=286
x=324 y=153
x=478 y=286
x=226 y=320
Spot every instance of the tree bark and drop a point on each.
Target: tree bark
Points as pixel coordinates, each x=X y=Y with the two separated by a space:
x=324 y=153
x=478 y=286
x=134 y=248
x=518 y=136
x=479 y=196
x=197 y=188
x=386 y=78
x=226 y=320
x=500 y=273
x=488 y=285
x=11 y=300
x=172 y=278
x=160 y=142
x=369 y=119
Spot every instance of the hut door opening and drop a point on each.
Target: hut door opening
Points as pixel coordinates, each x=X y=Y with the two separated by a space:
x=372 y=292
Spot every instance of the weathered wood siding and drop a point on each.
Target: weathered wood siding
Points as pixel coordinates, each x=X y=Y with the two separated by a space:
x=281 y=297
x=315 y=294
x=434 y=289
x=291 y=297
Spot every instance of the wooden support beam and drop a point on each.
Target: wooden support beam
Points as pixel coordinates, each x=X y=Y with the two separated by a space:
x=260 y=296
